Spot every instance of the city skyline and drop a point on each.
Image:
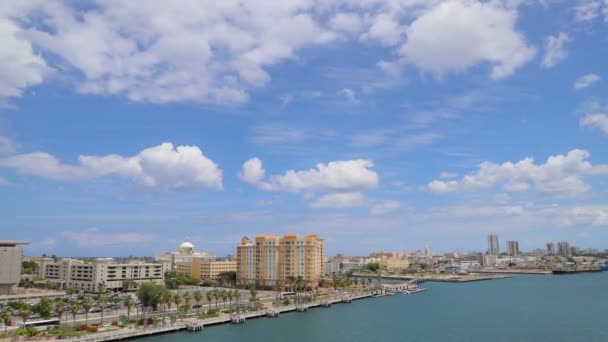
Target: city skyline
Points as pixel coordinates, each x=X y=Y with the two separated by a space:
x=360 y=122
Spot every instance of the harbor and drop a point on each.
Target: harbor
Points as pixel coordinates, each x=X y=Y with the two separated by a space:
x=196 y=325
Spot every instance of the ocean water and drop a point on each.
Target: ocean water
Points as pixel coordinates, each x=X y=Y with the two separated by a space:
x=522 y=308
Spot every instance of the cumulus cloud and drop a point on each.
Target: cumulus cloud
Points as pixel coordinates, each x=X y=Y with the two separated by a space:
x=226 y=50
x=350 y=95
x=586 y=80
x=339 y=200
x=20 y=66
x=338 y=176
x=456 y=35
x=560 y=175
x=555 y=50
x=587 y=10
x=162 y=166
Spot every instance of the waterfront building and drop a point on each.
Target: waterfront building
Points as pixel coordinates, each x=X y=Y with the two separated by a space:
x=513 y=248
x=11 y=255
x=563 y=248
x=550 y=248
x=272 y=261
x=493 y=246
x=345 y=264
x=204 y=270
x=185 y=254
x=100 y=274
x=490 y=260
x=394 y=264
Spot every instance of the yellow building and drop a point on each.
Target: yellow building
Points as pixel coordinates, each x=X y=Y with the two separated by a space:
x=394 y=264
x=272 y=260
x=205 y=270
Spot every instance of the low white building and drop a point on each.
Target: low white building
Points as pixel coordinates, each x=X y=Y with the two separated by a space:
x=100 y=273
x=11 y=255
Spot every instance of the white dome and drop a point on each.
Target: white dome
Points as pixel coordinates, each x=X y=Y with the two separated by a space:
x=186 y=244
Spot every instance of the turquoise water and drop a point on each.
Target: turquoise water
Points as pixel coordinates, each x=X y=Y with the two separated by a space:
x=522 y=308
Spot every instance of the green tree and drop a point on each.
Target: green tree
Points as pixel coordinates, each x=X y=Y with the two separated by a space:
x=150 y=295
x=177 y=299
x=167 y=299
x=59 y=307
x=209 y=296
x=24 y=312
x=198 y=296
x=74 y=308
x=44 y=308
x=187 y=298
x=86 y=305
x=128 y=303
x=102 y=303
x=5 y=316
x=253 y=294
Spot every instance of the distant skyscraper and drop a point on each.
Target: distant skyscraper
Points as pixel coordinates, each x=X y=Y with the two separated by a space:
x=550 y=248
x=563 y=248
x=513 y=248
x=493 y=246
x=427 y=252
x=11 y=255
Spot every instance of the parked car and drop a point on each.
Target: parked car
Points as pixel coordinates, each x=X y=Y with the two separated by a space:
x=197 y=306
x=94 y=310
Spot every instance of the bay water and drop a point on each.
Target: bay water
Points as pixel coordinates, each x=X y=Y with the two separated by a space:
x=522 y=308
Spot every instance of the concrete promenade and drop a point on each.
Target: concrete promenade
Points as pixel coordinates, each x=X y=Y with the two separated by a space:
x=201 y=323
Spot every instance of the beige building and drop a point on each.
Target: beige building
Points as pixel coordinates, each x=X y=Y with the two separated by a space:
x=100 y=273
x=270 y=260
x=184 y=255
x=11 y=255
x=394 y=264
x=205 y=270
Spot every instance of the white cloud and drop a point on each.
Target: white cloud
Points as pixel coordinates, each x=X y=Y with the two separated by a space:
x=350 y=95
x=586 y=81
x=7 y=145
x=226 y=49
x=20 y=67
x=456 y=35
x=162 y=166
x=92 y=237
x=447 y=175
x=342 y=176
x=555 y=50
x=346 y=22
x=560 y=175
x=596 y=120
x=587 y=10
x=385 y=207
x=339 y=200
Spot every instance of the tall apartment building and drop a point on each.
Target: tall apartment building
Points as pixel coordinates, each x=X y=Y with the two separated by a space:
x=100 y=273
x=513 y=248
x=493 y=246
x=270 y=260
x=563 y=248
x=550 y=248
x=11 y=255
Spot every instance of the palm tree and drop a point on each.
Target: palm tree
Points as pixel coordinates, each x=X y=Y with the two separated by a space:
x=102 y=303
x=187 y=300
x=230 y=295
x=128 y=303
x=168 y=299
x=59 y=307
x=198 y=296
x=209 y=296
x=24 y=312
x=177 y=299
x=5 y=316
x=86 y=305
x=216 y=296
x=74 y=308
x=224 y=296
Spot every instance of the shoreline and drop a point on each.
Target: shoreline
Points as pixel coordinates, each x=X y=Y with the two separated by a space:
x=197 y=325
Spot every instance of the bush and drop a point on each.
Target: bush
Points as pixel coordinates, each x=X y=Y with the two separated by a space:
x=211 y=312
x=140 y=321
x=285 y=302
x=84 y=327
x=150 y=320
x=92 y=329
x=114 y=323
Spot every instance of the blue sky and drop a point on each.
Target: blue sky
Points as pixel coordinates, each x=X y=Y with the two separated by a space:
x=377 y=124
